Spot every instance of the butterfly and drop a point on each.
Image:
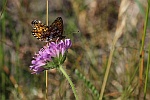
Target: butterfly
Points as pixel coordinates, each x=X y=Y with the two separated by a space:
x=46 y=33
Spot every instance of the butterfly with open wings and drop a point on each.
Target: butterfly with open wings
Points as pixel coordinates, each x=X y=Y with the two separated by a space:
x=46 y=33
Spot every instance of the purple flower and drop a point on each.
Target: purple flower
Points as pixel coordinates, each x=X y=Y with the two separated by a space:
x=50 y=56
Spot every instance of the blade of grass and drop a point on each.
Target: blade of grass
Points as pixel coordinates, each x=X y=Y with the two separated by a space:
x=117 y=35
x=142 y=46
x=119 y=31
x=3 y=9
x=2 y=57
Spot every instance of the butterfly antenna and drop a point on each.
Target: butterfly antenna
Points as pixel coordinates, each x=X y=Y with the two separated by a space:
x=76 y=32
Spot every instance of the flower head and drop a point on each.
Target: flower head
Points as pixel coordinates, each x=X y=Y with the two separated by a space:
x=50 y=56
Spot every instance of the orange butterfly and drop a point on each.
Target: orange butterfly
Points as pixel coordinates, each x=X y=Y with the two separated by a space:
x=48 y=33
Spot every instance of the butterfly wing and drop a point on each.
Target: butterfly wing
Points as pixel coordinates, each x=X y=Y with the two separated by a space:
x=56 y=29
x=39 y=30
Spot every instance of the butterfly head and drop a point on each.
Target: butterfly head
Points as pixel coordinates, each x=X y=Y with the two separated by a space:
x=35 y=22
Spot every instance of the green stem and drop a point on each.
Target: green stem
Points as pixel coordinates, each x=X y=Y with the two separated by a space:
x=70 y=82
x=145 y=27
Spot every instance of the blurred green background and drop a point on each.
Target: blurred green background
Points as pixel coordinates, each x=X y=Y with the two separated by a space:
x=91 y=25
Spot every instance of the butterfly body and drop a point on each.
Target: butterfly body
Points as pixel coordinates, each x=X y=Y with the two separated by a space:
x=48 y=33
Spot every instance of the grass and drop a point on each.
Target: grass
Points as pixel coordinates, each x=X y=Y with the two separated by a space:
x=106 y=50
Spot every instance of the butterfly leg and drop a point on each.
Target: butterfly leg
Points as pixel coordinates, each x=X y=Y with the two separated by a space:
x=57 y=40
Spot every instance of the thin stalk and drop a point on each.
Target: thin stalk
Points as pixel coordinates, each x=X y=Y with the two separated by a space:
x=142 y=46
x=116 y=37
x=46 y=83
x=106 y=73
x=145 y=28
x=69 y=80
x=3 y=9
x=2 y=57
x=46 y=75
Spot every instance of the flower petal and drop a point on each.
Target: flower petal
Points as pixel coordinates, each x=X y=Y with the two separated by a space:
x=47 y=53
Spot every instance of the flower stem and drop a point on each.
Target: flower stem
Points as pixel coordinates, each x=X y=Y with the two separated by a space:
x=70 y=82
